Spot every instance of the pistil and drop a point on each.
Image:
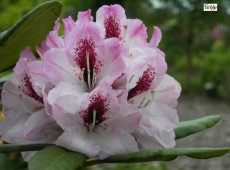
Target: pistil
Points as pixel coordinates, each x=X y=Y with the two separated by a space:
x=88 y=71
x=92 y=125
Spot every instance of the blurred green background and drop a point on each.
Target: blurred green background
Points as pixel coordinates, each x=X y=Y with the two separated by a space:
x=196 y=44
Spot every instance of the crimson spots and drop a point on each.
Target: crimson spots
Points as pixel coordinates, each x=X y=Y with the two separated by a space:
x=83 y=48
x=85 y=59
x=112 y=27
x=98 y=104
x=30 y=90
x=144 y=82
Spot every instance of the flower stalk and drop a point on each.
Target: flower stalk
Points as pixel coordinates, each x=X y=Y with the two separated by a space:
x=5 y=148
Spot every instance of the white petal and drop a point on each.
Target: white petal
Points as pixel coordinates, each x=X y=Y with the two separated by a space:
x=66 y=112
x=79 y=140
x=64 y=88
x=41 y=127
x=127 y=118
x=57 y=67
x=162 y=139
x=113 y=143
x=11 y=128
x=167 y=91
x=160 y=116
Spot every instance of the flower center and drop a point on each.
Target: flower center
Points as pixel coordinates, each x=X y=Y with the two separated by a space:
x=30 y=91
x=96 y=114
x=85 y=59
x=144 y=83
x=112 y=27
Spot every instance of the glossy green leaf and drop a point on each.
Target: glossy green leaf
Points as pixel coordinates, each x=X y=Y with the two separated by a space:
x=190 y=127
x=162 y=155
x=30 y=30
x=56 y=158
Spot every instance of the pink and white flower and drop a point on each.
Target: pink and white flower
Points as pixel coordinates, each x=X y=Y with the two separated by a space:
x=96 y=124
x=100 y=90
x=24 y=104
x=112 y=22
x=87 y=59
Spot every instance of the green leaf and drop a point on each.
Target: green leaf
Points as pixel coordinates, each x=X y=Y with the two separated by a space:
x=12 y=161
x=190 y=127
x=30 y=30
x=162 y=155
x=56 y=158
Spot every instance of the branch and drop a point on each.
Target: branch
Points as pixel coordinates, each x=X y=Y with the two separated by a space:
x=4 y=148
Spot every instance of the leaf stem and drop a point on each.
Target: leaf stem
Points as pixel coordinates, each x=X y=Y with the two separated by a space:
x=93 y=161
x=4 y=148
x=161 y=155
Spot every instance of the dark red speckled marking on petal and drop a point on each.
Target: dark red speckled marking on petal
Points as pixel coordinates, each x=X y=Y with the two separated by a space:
x=84 y=46
x=98 y=103
x=112 y=27
x=30 y=90
x=144 y=82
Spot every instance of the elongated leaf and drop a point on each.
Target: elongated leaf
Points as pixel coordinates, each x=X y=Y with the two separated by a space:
x=190 y=127
x=30 y=30
x=162 y=155
x=56 y=158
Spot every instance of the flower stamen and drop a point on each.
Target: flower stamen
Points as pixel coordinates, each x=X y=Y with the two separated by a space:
x=88 y=71
x=92 y=125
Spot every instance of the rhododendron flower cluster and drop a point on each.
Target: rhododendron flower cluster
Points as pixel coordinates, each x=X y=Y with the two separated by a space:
x=101 y=89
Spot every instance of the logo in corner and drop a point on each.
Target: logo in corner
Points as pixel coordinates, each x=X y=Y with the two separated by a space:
x=210 y=7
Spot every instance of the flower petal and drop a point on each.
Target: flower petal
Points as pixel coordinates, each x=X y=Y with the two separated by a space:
x=57 y=67
x=134 y=33
x=160 y=116
x=69 y=24
x=109 y=19
x=79 y=140
x=113 y=65
x=84 y=16
x=161 y=139
x=11 y=128
x=167 y=91
x=127 y=118
x=103 y=100
x=156 y=37
x=76 y=38
x=28 y=54
x=113 y=143
x=144 y=71
x=66 y=112
x=157 y=124
x=13 y=100
x=62 y=89
x=41 y=127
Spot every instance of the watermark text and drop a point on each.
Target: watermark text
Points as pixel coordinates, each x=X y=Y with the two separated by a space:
x=210 y=7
